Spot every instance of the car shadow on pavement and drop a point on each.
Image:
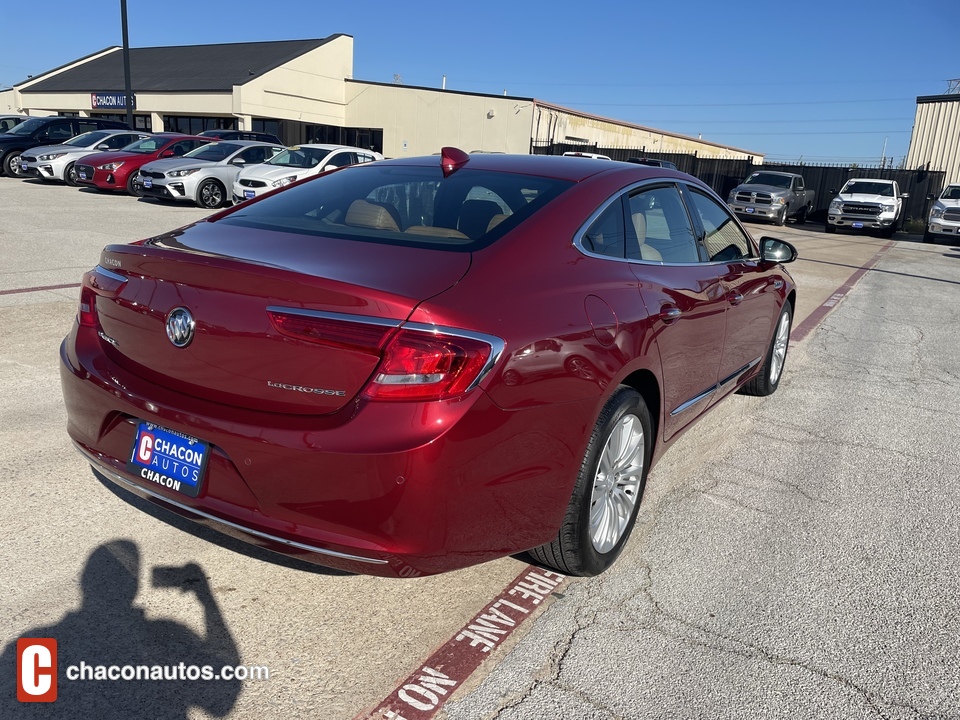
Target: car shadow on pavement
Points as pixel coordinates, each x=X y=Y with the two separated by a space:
x=212 y=536
x=102 y=647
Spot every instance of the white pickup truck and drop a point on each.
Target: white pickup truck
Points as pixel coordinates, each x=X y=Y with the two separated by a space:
x=867 y=204
x=944 y=219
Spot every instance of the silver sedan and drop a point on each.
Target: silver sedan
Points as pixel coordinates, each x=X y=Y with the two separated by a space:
x=202 y=176
x=56 y=162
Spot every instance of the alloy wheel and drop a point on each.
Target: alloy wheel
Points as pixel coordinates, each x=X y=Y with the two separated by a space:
x=616 y=486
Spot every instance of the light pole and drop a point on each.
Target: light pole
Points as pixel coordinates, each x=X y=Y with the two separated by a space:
x=127 y=90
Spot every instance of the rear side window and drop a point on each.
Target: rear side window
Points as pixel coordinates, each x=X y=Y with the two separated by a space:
x=606 y=235
x=404 y=204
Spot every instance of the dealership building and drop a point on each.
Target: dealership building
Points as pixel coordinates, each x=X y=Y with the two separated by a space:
x=304 y=91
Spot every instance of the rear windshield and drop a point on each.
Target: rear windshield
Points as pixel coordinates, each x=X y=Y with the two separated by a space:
x=404 y=205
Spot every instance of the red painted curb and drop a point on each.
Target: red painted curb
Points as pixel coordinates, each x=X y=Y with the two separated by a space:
x=423 y=693
x=813 y=320
x=39 y=288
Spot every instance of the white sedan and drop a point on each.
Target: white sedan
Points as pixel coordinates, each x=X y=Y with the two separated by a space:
x=296 y=163
x=203 y=175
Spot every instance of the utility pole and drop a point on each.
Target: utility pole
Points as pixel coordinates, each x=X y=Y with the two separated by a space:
x=127 y=89
x=883 y=155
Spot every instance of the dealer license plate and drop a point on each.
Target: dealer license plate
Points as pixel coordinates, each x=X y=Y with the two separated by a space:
x=23 y=165
x=169 y=459
x=750 y=210
x=249 y=194
x=148 y=182
x=857 y=225
x=82 y=174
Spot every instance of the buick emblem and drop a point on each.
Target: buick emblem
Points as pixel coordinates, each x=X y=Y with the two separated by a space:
x=180 y=327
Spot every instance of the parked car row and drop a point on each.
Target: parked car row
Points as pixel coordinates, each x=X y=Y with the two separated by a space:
x=211 y=169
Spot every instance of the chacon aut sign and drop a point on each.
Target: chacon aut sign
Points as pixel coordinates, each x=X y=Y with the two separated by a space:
x=110 y=101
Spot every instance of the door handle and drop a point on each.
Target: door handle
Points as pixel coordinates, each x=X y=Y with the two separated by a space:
x=670 y=313
x=735 y=298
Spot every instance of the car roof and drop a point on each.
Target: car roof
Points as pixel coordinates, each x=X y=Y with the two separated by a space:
x=574 y=169
x=243 y=143
x=330 y=148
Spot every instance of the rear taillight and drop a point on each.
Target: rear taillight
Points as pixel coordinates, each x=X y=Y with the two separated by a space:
x=331 y=331
x=87 y=314
x=431 y=365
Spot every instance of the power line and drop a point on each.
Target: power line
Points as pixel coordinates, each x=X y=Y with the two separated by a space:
x=776 y=122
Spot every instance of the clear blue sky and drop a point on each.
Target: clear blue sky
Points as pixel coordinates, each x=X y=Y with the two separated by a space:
x=822 y=80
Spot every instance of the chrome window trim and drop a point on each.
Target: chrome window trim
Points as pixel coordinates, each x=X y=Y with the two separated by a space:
x=345 y=317
x=136 y=489
x=643 y=184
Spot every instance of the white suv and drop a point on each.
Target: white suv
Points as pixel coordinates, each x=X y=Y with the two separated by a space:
x=296 y=163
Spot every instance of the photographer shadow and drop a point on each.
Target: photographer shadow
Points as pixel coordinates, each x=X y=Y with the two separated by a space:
x=110 y=630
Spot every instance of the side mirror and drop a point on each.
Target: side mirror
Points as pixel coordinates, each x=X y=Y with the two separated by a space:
x=103 y=146
x=328 y=167
x=832 y=191
x=931 y=196
x=238 y=161
x=776 y=251
x=904 y=195
x=167 y=153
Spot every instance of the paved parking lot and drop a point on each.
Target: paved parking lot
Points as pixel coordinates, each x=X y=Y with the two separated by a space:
x=794 y=556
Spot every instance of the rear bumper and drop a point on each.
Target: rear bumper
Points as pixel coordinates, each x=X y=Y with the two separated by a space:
x=374 y=489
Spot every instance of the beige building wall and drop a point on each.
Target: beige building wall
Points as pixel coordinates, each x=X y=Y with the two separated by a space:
x=556 y=124
x=936 y=136
x=309 y=88
x=419 y=121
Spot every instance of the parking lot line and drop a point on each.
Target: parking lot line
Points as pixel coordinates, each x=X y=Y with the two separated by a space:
x=813 y=320
x=40 y=288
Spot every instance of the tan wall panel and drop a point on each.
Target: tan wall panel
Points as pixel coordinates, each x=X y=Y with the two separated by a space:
x=936 y=138
x=309 y=88
x=419 y=121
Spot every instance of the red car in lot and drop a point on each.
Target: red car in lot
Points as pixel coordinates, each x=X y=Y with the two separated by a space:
x=118 y=170
x=342 y=370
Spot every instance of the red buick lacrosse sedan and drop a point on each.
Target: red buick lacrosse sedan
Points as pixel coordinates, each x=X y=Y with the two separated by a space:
x=411 y=366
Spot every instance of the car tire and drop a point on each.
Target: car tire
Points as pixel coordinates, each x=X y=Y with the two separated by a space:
x=927 y=237
x=781 y=219
x=132 y=187
x=604 y=504
x=70 y=175
x=768 y=379
x=829 y=228
x=11 y=167
x=211 y=194
x=801 y=218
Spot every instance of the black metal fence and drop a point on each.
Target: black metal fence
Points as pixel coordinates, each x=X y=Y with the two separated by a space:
x=724 y=175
